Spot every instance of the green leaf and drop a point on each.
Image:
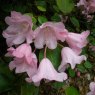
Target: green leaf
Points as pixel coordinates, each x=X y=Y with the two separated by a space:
x=56 y=18
x=71 y=72
x=41 y=8
x=58 y=85
x=29 y=89
x=20 y=8
x=88 y=65
x=4 y=70
x=81 y=68
x=75 y=21
x=66 y=6
x=71 y=91
x=4 y=84
x=42 y=19
x=53 y=55
x=41 y=5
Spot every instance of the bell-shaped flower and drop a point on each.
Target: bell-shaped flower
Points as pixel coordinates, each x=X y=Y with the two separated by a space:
x=48 y=33
x=19 y=29
x=92 y=89
x=24 y=60
x=77 y=41
x=47 y=71
x=23 y=50
x=69 y=56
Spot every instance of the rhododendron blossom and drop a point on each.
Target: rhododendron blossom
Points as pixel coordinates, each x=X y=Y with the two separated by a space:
x=20 y=34
x=69 y=56
x=77 y=41
x=19 y=29
x=48 y=33
x=92 y=88
x=88 y=6
x=24 y=60
x=47 y=71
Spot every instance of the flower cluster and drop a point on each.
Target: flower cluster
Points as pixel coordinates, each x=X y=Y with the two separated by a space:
x=20 y=35
x=87 y=7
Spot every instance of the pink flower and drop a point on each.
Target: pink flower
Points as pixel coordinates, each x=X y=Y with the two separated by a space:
x=24 y=60
x=69 y=56
x=87 y=6
x=82 y=3
x=19 y=29
x=23 y=50
x=47 y=71
x=91 y=4
x=48 y=33
x=21 y=65
x=77 y=41
x=92 y=88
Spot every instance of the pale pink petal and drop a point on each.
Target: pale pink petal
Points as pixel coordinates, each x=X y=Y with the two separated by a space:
x=90 y=93
x=23 y=50
x=92 y=86
x=44 y=67
x=21 y=66
x=18 y=40
x=10 y=52
x=69 y=56
x=92 y=89
x=48 y=33
x=82 y=3
x=77 y=41
x=51 y=41
x=29 y=37
x=39 y=40
x=19 y=29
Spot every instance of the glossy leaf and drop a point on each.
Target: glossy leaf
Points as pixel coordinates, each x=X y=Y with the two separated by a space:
x=88 y=65
x=42 y=19
x=29 y=89
x=75 y=22
x=71 y=91
x=71 y=72
x=66 y=6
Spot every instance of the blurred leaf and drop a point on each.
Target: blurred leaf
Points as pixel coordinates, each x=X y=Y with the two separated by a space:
x=66 y=6
x=81 y=68
x=42 y=19
x=53 y=55
x=29 y=14
x=56 y=8
x=41 y=5
x=88 y=65
x=6 y=77
x=4 y=70
x=71 y=72
x=4 y=84
x=41 y=8
x=58 y=85
x=29 y=89
x=56 y=18
x=71 y=91
x=20 y=8
x=75 y=21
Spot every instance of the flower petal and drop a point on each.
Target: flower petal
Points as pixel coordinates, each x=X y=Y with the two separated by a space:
x=44 y=67
x=69 y=56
